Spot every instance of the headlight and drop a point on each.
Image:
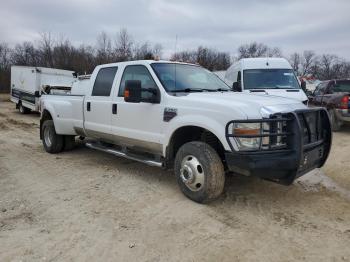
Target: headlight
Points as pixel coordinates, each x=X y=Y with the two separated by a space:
x=243 y=131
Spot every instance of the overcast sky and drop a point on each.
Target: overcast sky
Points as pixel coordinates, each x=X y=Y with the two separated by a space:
x=320 y=25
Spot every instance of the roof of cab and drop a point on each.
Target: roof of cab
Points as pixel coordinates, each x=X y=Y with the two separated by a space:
x=265 y=63
x=144 y=62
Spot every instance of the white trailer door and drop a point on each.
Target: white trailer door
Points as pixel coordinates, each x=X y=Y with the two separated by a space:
x=98 y=105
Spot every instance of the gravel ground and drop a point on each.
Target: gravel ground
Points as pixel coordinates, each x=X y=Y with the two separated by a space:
x=86 y=205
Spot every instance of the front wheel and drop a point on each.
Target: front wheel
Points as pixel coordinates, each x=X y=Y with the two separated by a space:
x=53 y=143
x=199 y=172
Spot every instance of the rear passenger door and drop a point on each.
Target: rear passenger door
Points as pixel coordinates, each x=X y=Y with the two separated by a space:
x=98 y=105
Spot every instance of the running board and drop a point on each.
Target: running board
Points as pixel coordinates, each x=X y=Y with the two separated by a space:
x=115 y=152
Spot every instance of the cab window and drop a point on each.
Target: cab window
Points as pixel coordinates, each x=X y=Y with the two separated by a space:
x=141 y=73
x=104 y=81
x=320 y=89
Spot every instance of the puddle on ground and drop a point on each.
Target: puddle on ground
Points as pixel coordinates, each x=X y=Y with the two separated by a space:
x=317 y=179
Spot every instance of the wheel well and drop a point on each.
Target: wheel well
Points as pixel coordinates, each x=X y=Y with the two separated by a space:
x=187 y=134
x=44 y=116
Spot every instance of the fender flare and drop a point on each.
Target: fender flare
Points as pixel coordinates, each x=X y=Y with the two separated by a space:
x=200 y=121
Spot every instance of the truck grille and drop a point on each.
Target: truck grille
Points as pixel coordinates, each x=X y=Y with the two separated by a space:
x=302 y=129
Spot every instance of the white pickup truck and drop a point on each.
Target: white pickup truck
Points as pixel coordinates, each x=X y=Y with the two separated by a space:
x=181 y=116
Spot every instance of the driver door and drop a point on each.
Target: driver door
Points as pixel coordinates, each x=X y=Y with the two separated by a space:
x=138 y=125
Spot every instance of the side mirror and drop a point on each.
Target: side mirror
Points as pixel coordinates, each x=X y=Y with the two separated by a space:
x=236 y=86
x=132 y=91
x=37 y=94
x=303 y=85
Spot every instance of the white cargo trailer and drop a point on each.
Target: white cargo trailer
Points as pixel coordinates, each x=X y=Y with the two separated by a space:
x=28 y=83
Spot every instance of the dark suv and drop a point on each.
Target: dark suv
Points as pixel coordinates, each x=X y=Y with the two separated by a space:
x=333 y=95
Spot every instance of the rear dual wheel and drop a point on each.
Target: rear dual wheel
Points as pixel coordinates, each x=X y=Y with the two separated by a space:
x=199 y=172
x=54 y=143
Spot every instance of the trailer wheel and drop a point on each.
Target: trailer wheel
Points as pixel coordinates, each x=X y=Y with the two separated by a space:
x=53 y=143
x=22 y=109
x=69 y=143
x=199 y=172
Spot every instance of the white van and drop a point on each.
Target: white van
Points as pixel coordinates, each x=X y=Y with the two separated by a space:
x=266 y=76
x=28 y=83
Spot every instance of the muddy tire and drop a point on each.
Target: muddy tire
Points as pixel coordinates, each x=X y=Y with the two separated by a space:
x=69 y=143
x=53 y=143
x=335 y=123
x=22 y=109
x=199 y=172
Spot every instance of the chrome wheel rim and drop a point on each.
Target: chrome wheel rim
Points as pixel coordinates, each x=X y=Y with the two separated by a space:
x=48 y=137
x=21 y=109
x=192 y=173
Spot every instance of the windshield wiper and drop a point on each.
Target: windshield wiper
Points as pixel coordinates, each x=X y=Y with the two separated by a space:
x=217 y=90
x=187 y=90
x=284 y=87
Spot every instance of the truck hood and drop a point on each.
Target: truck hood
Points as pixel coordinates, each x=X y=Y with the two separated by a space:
x=250 y=105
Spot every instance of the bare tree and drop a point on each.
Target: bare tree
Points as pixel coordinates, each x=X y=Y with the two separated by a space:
x=185 y=56
x=63 y=54
x=274 y=52
x=123 y=46
x=46 y=44
x=4 y=56
x=103 y=49
x=327 y=61
x=295 y=61
x=206 y=57
x=308 y=60
x=255 y=49
x=26 y=54
x=4 y=67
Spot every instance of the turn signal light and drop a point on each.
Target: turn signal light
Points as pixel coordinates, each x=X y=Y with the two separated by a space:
x=241 y=131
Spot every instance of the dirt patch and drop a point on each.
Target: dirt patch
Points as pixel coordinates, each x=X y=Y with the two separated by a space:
x=3 y=126
x=10 y=222
x=21 y=124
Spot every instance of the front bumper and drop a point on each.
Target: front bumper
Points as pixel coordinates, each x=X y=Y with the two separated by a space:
x=303 y=153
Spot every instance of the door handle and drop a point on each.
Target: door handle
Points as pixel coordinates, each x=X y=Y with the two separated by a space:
x=88 y=106
x=114 y=109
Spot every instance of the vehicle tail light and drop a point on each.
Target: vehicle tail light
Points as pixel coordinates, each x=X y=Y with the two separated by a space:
x=344 y=103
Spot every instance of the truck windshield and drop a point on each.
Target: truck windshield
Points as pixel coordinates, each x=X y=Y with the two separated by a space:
x=188 y=78
x=342 y=86
x=270 y=79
